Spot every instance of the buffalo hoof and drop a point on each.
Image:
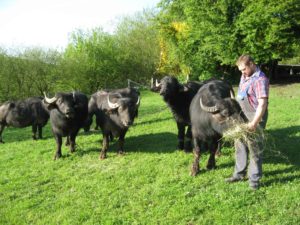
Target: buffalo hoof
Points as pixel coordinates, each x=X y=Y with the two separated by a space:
x=121 y=153
x=102 y=156
x=57 y=156
x=180 y=145
x=195 y=170
x=188 y=149
x=218 y=153
x=1 y=142
x=211 y=167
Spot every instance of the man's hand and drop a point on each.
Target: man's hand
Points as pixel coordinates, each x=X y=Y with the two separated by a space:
x=252 y=126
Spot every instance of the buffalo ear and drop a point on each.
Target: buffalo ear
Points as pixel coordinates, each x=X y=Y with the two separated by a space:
x=109 y=111
x=219 y=117
x=183 y=88
x=49 y=106
x=11 y=105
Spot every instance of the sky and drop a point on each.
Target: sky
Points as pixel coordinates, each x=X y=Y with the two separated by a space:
x=48 y=23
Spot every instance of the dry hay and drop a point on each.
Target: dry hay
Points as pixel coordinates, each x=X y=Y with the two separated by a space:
x=240 y=131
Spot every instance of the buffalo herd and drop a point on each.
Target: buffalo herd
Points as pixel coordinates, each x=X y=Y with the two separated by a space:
x=202 y=111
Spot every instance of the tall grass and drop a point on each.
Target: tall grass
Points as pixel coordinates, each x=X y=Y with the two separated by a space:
x=150 y=184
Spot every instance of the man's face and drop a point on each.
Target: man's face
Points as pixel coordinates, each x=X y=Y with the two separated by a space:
x=247 y=70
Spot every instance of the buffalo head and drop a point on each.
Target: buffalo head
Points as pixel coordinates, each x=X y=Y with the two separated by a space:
x=168 y=86
x=224 y=110
x=5 y=108
x=63 y=102
x=125 y=107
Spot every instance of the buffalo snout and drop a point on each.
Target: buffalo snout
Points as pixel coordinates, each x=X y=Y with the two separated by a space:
x=70 y=113
x=127 y=123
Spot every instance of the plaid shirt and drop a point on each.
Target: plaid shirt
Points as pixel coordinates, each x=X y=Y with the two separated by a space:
x=259 y=87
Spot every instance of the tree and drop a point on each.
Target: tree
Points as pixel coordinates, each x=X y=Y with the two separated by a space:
x=28 y=73
x=218 y=31
x=139 y=46
x=91 y=58
x=101 y=60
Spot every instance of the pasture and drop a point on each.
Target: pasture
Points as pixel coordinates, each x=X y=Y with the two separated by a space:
x=150 y=184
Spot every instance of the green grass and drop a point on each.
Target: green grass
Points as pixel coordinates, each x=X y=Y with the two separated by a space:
x=151 y=183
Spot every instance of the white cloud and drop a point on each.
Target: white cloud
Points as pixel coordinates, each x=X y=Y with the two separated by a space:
x=49 y=22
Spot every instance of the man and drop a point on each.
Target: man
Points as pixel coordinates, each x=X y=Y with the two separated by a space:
x=253 y=98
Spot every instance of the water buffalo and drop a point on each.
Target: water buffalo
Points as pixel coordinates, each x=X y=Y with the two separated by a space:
x=115 y=111
x=68 y=113
x=28 y=112
x=178 y=98
x=212 y=111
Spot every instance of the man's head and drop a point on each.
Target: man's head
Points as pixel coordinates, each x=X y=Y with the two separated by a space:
x=246 y=65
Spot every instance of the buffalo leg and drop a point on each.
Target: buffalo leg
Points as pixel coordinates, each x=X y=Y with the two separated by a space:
x=188 y=140
x=58 y=140
x=211 y=164
x=72 y=142
x=180 y=136
x=111 y=136
x=34 y=130
x=40 y=131
x=105 y=145
x=195 y=166
x=218 y=152
x=121 y=144
x=1 y=130
x=67 y=140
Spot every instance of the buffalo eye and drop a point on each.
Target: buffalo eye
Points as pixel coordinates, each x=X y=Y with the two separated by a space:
x=225 y=113
x=59 y=101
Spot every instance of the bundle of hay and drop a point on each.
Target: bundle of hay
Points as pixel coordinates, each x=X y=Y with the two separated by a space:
x=240 y=131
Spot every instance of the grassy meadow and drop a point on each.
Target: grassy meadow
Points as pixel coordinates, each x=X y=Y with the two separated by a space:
x=150 y=184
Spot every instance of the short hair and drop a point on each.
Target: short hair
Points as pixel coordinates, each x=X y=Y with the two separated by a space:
x=246 y=59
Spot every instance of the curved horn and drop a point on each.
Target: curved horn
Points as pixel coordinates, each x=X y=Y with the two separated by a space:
x=138 y=101
x=49 y=100
x=232 y=94
x=157 y=84
x=208 y=109
x=112 y=105
x=74 y=96
x=151 y=85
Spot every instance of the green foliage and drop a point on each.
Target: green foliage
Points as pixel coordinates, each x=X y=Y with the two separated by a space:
x=217 y=32
x=91 y=57
x=28 y=73
x=150 y=184
x=102 y=60
x=139 y=49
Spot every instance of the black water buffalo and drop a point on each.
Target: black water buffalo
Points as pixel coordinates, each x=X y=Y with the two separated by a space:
x=115 y=111
x=212 y=111
x=178 y=98
x=29 y=112
x=68 y=113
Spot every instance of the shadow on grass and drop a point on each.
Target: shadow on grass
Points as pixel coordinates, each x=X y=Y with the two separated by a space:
x=12 y=134
x=283 y=146
x=284 y=149
x=152 y=143
x=155 y=120
x=278 y=176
